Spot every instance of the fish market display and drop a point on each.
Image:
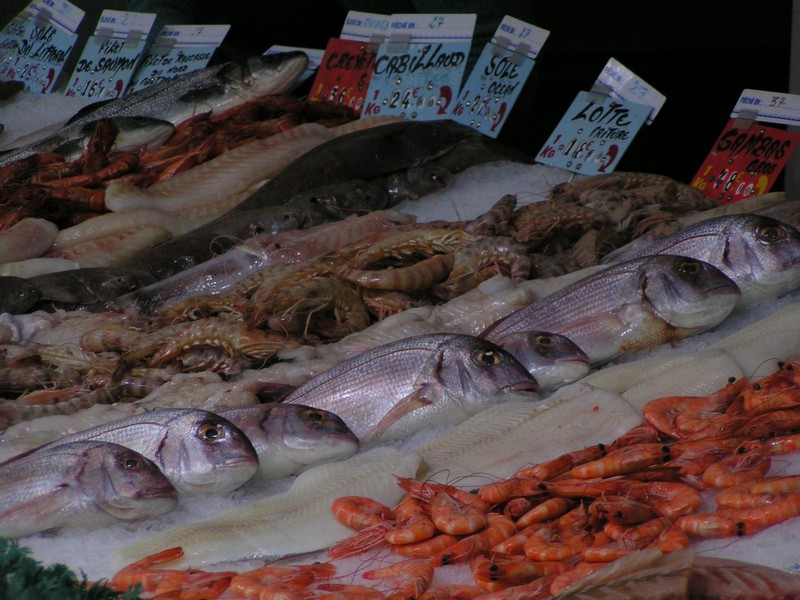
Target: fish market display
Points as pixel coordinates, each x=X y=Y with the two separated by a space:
x=637 y=304
x=214 y=88
x=396 y=389
x=290 y=437
x=81 y=483
x=198 y=451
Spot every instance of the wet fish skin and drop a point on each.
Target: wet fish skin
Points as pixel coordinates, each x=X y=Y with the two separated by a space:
x=759 y=253
x=17 y=295
x=398 y=388
x=553 y=359
x=198 y=451
x=636 y=304
x=81 y=483
x=87 y=286
x=133 y=133
x=290 y=437
x=213 y=88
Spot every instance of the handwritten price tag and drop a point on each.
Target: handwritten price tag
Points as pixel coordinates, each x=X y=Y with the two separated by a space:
x=177 y=50
x=344 y=73
x=418 y=70
x=744 y=162
x=498 y=76
x=111 y=55
x=593 y=134
x=624 y=84
x=35 y=45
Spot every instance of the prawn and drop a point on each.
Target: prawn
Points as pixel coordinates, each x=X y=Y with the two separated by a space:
x=262 y=582
x=410 y=578
x=500 y=527
x=501 y=571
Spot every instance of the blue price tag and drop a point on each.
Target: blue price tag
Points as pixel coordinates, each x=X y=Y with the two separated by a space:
x=158 y=67
x=416 y=80
x=593 y=134
x=492 y=89
x=34 y=52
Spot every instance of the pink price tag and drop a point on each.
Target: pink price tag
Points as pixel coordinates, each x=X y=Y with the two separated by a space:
x=344 y=74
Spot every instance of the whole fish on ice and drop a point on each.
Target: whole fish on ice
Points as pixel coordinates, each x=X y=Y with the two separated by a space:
x=81 y=483
x=214 y=88
x=637 y=304
x=760 y=254
x=291 y=437
x=367 y=157
x=198 y=451
x=398 y=388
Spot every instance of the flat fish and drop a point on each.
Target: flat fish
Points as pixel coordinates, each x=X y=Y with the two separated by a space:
x=367 y=155
x=81 y=483
x=637 y=304
x=198 y=451
x=291 y=437
x=398 y=388
x=760 y=254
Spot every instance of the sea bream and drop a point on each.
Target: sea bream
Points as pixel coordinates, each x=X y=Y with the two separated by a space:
x=396 y=389
x=198 y=451
x=80 y=483
x=214 y=88
x=290 y=437
x=637 y=304
x=760 y=254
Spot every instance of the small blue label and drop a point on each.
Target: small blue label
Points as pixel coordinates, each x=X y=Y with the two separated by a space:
x=593 y=134
x=104 y=68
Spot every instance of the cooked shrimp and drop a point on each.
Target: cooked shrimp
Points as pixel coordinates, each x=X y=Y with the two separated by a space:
x=501 y=571
x=624 y=460
x=410 y=578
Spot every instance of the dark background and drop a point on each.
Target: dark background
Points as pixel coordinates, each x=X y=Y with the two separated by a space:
x=700 y=55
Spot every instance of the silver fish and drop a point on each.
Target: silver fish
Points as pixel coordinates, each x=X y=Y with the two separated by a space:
x=553 y=359
x=637 y=304
x=398 y=388
x=133 y=133
x=81 y=483
x=198 y=451
x=214 y=88
x=760 y=254
x=290 y=437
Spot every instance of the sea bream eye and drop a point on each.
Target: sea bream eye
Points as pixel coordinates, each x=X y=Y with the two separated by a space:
x=487 y=358
x=771 y=234
x=689 y=267
x=210 y=432
x=545 y=340
x=130 y=463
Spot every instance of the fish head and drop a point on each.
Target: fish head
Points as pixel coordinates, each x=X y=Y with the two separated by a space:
x=762 y=255
x=553 y=359
x=686 y=293
x=475 y=372
x=203 y=453
x=273 y=73
x=313 y=435
x=124 y=483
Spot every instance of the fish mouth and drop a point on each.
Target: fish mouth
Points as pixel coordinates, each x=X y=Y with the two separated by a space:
x=522 y=386
x=159 y=492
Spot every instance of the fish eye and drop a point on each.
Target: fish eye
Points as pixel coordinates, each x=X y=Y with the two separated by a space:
x=689 y=267
x=210 y=432
x=770 y=234
x=256 y=229
x=130 y=463
x=487 y=358
x=314 y=415
x=545 y=340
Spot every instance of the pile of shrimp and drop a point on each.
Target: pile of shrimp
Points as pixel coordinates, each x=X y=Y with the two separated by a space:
x=552 y=523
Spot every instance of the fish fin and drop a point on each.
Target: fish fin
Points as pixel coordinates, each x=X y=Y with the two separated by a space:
x=415 y=400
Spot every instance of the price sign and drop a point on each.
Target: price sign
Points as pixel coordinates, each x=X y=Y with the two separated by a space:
x=344 y=73
x=177 y=50
x=624 y=84
x=111 y=55
x=745 y=161
x=419 y=68
x=593 y=134
x=35 y=45
x=499 y=74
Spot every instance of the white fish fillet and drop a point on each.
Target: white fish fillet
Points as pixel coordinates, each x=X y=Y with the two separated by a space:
x=500 y=440
x=296 y=521
x=214 y=187
x=28 y=238
x=31 y=267
x=109 y=239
